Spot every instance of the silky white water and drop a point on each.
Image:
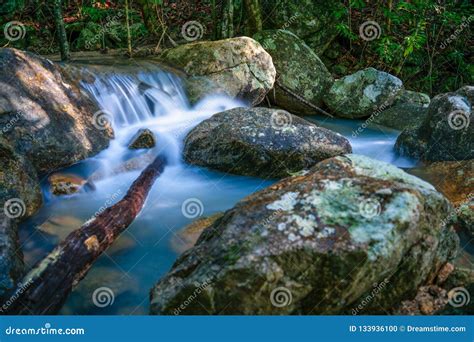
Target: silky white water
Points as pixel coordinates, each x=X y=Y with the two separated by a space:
x=183 y=193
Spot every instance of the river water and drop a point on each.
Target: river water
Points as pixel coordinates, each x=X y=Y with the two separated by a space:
x=155 y=100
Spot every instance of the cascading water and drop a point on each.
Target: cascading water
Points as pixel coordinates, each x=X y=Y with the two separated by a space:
x=153 y=100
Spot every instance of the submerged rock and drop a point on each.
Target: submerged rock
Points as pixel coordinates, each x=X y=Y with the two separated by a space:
x=447 y=133
x=44 y=114
x=261 y=142
x=144 y=138
x=238 y=67
x=363 y=93
x=65 y=184
x=299 y=70
x=187 y=237
x=351 y=221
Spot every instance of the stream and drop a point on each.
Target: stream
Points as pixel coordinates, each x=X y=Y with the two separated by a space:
x=154 y=99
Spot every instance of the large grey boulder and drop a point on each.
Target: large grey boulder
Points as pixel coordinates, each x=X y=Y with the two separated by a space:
x=299 y=70
x=44 y=114
x=238 y=67
x=447 y=133
x=317 y=243
x=261 y=142
x=361 y=94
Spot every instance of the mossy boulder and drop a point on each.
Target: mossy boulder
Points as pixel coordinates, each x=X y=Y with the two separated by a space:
x=412 y=97
x=447 y=133
x=314 y=21
x=44 y=114
x=401 y=116
x=143 y=139
x=238 y=67
x=351 y=221
x=261 y=142
x=362 y=94
x=298 y=69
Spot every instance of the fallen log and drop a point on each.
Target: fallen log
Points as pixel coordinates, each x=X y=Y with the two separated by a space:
x=46 y=287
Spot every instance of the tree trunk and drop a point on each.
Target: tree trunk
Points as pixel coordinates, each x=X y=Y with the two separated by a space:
x=227 y=21
x=129 y=36
x=46 y=287
x=58 y=18
x=254 y=19
x=150 y=19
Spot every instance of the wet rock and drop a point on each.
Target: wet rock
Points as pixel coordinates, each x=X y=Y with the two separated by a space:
x=187 y=237
x=427 y=300
x=455 y=179
x=144 y=138
x=447 y=133
x=44 y=114
x=363 y=93
x=65 y=184
x=298 y=16
x=261 y=142
x=20 y=193
x=350 y=220
x=11 y=258
x=412 y=97
x=299 y=70
x=401 y=116
x=238 y=67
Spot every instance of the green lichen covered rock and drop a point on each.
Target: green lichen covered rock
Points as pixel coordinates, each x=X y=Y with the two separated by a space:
x=363 y=93
x=44 y=114
x=447 y=133
x=261 y=142
x=412 y=97
x=238 y=67
x=313 y=21
x=316 y=243
x=401 y=116
x=299 y=70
